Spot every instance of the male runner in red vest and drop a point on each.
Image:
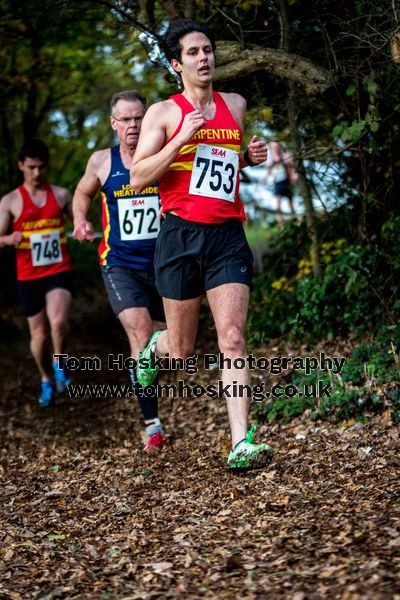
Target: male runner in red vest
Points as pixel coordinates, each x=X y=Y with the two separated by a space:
x=191 y=144
x=35 y=212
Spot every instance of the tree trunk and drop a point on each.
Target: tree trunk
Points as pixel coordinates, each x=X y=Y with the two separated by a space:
x=296 y=137
x=303 y=183
x=30 y=118
x=8 y=142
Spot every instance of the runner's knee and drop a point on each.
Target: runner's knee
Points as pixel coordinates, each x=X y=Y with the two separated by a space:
x=39 y=336
x=139 y=328
x=58 y=324
x=232 y=340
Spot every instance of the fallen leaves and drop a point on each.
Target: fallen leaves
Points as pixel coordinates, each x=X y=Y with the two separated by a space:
x=86 y=514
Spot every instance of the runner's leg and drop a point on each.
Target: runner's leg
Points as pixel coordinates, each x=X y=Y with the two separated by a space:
x=58 y=302
x=182 y=318
x=138 y=327
x=279 y=215
x=229 y=304
x=40 y=344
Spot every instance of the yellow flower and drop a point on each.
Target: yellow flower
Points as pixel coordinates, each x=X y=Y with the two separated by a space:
x=282 y=284
x=326 y=245
x=279 y=283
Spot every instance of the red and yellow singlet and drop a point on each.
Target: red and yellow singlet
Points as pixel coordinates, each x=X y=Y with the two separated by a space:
x=202 y=183
x=43 y=251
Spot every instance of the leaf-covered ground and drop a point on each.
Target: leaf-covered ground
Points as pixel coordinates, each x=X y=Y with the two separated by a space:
x=85 y=514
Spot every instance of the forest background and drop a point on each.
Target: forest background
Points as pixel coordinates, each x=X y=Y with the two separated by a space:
x=322 y=77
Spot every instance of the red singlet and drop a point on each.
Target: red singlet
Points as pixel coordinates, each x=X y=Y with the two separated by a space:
x=43 y=251
x=202 y=183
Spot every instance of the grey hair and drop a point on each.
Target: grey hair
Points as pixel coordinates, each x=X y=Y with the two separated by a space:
x=129 y=95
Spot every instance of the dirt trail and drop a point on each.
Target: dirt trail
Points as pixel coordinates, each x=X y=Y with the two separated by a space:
x=85 y=514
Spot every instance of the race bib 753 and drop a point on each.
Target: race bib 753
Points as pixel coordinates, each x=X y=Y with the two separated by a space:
x=215 y=171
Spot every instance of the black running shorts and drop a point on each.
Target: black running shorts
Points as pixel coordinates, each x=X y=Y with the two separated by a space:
x=32 y=292
x=192 y=258
x=132 y=288
x=283 y=188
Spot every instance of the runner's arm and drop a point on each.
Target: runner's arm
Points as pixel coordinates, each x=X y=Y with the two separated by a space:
x=64 y=199
x=151 y=159
x=85 y=192
x=14 y=238
x=67 y=202
x=267 y=179
x=256 y=152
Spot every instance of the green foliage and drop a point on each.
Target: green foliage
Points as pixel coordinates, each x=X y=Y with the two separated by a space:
x=258 y=234
x=283 y=409
x=60 y=68
x=341 y=301
x=369 y=383
x=358 y=290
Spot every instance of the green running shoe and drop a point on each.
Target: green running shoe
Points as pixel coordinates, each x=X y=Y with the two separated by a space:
x=148 y=373
x=245 y=455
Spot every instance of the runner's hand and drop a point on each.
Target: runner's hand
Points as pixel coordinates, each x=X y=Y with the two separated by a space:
x=83 y=231
x=257 y=150
x=13 y=239
x=192 y=122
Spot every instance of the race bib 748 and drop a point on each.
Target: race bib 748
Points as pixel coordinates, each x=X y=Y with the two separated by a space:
x=45 y=248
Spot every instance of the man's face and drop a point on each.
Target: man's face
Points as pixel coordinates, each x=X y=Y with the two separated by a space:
x=126 y=120
x=34 y=170
x=197 y=62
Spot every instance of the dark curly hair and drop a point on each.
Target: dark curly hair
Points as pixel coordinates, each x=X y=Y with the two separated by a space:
x=177 y=29
x=34 y=149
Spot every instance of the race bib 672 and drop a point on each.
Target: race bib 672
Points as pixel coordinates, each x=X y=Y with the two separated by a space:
x=139 y=217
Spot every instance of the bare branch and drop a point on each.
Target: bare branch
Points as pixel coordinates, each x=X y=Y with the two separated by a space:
x=396 y=18
x=190 y=9
x=123 y=14
x=235 y=62
x=169 y=7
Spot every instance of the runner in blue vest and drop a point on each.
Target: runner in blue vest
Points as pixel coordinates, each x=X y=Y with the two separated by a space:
x=130 y=226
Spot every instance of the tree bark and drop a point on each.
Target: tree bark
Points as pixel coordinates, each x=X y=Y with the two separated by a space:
x=190 y=9
x=9 y=143
x=233 y=62
x=296 y=137
x=303 y=183
x=170 y=9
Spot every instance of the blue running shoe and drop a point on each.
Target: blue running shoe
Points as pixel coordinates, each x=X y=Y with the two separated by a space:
x=47 y=395
x=61 y=377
